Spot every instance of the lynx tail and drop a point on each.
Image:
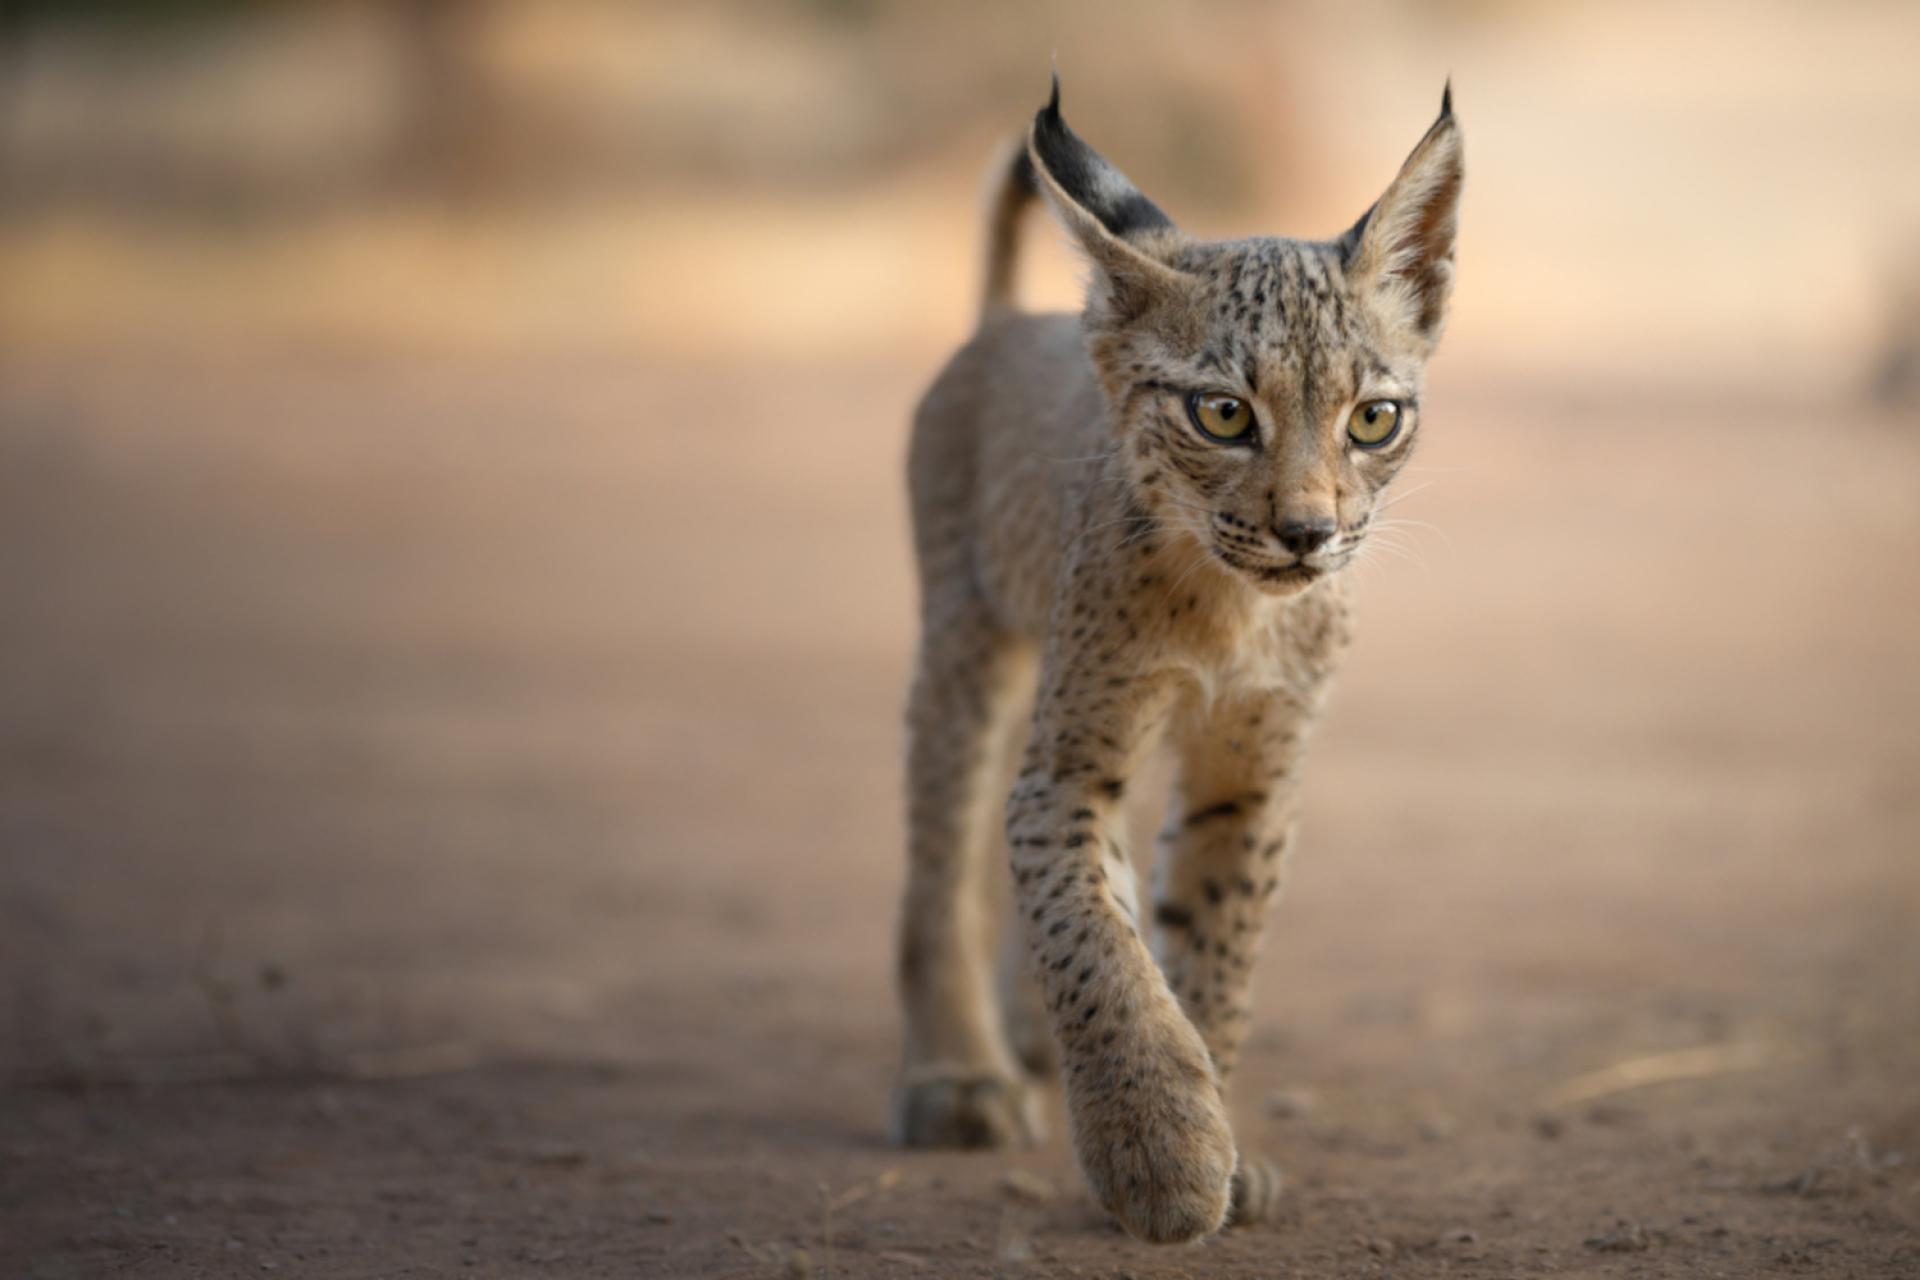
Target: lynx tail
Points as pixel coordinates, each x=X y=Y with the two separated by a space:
x=1013 y=188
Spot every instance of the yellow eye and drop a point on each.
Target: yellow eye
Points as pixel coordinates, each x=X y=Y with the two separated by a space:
x=1220 y=417
x=1374 y=423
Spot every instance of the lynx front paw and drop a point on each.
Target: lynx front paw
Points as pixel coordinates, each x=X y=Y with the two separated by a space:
x=1256 y=1191
x=942 y=1107
x=1155 y=1143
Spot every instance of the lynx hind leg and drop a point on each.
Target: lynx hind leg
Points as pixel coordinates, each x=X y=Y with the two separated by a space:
x=959 y=1085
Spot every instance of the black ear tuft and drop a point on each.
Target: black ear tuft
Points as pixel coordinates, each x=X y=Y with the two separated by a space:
x=1446 y=99
x=1087 y=179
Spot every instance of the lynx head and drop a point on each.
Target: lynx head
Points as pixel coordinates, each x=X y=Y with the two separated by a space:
x=1264 y=390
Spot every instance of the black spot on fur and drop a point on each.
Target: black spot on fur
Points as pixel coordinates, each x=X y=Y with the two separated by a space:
x=1225 y=809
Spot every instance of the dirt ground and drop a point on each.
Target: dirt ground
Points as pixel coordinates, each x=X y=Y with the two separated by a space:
x=449 y=825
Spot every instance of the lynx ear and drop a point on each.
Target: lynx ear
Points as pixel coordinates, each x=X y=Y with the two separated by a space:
x=1118 y=227
x=1402 y=248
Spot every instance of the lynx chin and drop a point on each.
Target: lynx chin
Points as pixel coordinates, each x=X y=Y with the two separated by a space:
x=1138 y=516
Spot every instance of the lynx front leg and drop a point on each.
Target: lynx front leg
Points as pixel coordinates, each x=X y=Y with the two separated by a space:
x=1148 y=1123
x=1022 y=1002
x=1222 y=858
x=959 y=1086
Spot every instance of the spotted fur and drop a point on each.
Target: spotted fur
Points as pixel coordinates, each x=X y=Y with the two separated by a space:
x=1082 y=542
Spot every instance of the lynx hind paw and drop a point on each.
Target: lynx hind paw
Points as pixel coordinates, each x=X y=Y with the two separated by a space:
x=967 y=1110
x=1256 y=1191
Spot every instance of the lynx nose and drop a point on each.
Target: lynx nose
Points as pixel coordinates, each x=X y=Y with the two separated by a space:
x=1304 y=537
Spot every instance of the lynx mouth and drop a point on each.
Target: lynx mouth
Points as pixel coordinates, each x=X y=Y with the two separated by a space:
x=1294 y=573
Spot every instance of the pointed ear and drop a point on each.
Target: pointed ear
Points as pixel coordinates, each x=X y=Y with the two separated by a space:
x=1402 y=248
x=1122 y=231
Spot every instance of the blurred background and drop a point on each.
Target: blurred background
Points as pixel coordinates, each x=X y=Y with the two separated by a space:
x=455 y=609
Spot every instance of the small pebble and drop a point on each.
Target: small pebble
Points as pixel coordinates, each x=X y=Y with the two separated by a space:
x=1626 y=1237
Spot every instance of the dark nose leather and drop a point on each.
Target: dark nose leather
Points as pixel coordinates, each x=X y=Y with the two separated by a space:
x=1304 y=537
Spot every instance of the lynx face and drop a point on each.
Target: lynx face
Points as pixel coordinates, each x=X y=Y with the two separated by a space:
x=1265 y=390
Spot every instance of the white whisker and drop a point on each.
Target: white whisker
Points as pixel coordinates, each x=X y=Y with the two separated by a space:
x=1402 y=496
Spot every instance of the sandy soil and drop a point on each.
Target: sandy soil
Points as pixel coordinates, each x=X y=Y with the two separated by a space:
x=450 y=827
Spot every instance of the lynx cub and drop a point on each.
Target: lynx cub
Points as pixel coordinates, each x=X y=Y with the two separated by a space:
x=1150 y=504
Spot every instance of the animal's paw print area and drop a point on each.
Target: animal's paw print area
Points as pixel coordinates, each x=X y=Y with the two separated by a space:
x=969 y=1111
x=1256 y=1191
